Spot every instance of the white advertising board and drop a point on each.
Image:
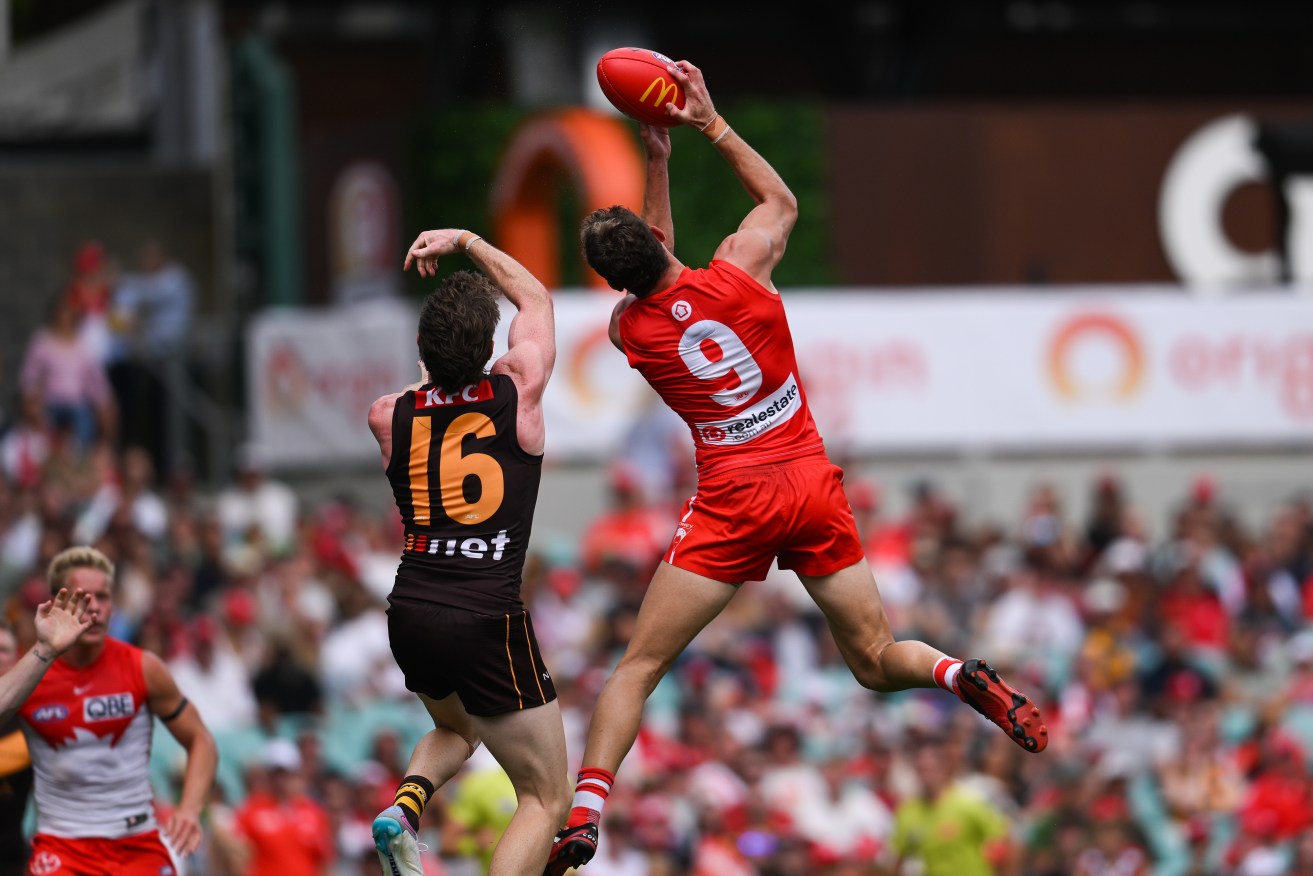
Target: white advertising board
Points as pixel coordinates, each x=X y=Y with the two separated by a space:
x=884 y=372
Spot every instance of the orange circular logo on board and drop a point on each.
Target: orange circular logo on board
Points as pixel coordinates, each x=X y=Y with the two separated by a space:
x=1130 y=354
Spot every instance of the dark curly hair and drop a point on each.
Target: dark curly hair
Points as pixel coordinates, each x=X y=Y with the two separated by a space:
x=455 y=329
x=620 y=246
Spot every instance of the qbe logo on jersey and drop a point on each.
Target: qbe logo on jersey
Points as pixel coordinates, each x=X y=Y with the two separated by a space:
x=108 y=707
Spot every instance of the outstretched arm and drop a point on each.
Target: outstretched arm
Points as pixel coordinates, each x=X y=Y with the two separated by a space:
x=532 y=337
x=656 y=187
x=59 y=623
x=758 y=245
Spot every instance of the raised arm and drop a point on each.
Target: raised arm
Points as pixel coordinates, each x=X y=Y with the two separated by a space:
x=532 y=336
x=758 y=244
x=59 y=623
x=656 y=186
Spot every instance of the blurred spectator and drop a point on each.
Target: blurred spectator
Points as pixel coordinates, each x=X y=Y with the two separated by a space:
x=848 y=822
x=617 y=856
x=1117 y=849
x=68 y=379
x=125 y=495
x=952 y=831
x=886 y=542
x=355 y=660
x=571 y=615
x=15 y=774
x=1201 y=782
x=258 y=509
x=481 y=806
x=997 y=776
x=717 y=852
x=1042 y=525
x=89 y=297
x=1034 y=623
x=789 y=785
x=154 y=309
x=658 y=452
x=931 y=514
x=1104 y=525
x=1177 y=680
x=286 y=832
x=285 y=686
x=632 y=532
x=20 y=534
x=212 y=677
x=1252 y=674
x=1278 y=804
x=224 y=852
x=25 y=445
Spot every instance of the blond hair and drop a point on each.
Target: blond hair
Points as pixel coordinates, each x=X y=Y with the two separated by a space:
x=81 y=557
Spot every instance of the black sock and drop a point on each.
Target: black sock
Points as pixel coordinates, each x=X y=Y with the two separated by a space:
x=412 y=796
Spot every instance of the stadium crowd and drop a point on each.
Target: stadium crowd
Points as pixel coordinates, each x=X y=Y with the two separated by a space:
x=1175 y=670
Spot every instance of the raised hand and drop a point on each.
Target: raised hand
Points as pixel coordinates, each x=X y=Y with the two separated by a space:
x=698 y=111
x=62 y=620
x=426 y=249
x=656 y=140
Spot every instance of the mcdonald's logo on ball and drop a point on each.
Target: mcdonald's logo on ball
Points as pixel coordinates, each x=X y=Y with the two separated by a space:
x=637 y=83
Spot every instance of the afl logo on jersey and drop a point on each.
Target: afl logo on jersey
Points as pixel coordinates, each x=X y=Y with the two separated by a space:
x=681 y=310
x=109 y=707
x=46 y=714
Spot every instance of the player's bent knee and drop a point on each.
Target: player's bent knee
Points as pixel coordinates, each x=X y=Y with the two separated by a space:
x=869 y=672
x=471 y=740
x=873 y=680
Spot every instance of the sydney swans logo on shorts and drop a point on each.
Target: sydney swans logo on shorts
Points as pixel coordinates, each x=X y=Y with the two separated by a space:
x=773 y=410
x=43 y=863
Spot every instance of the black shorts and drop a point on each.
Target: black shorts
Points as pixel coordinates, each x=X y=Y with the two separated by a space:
x=491 y=661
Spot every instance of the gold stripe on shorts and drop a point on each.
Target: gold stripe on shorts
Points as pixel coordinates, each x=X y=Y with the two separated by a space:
x=534 y=663
x=511 y=663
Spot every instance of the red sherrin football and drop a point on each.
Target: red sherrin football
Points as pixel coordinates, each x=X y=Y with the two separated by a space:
x=636 y=82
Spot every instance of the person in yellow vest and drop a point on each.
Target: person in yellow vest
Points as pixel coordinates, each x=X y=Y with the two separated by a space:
x=478 y=810
x=951 y=829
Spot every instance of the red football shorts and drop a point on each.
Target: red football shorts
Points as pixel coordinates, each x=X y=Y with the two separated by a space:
x=742 y=520
x=142 y=854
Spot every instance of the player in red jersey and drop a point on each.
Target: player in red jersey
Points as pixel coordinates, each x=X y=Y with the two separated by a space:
x=58 y=624
x=715 y=345
x=88 y=726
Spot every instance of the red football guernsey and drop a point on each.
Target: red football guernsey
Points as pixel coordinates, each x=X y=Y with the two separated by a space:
x=716 y=347
x=89 y=731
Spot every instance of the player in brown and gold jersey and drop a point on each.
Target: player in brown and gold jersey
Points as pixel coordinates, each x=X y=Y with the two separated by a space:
x=462 y=450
